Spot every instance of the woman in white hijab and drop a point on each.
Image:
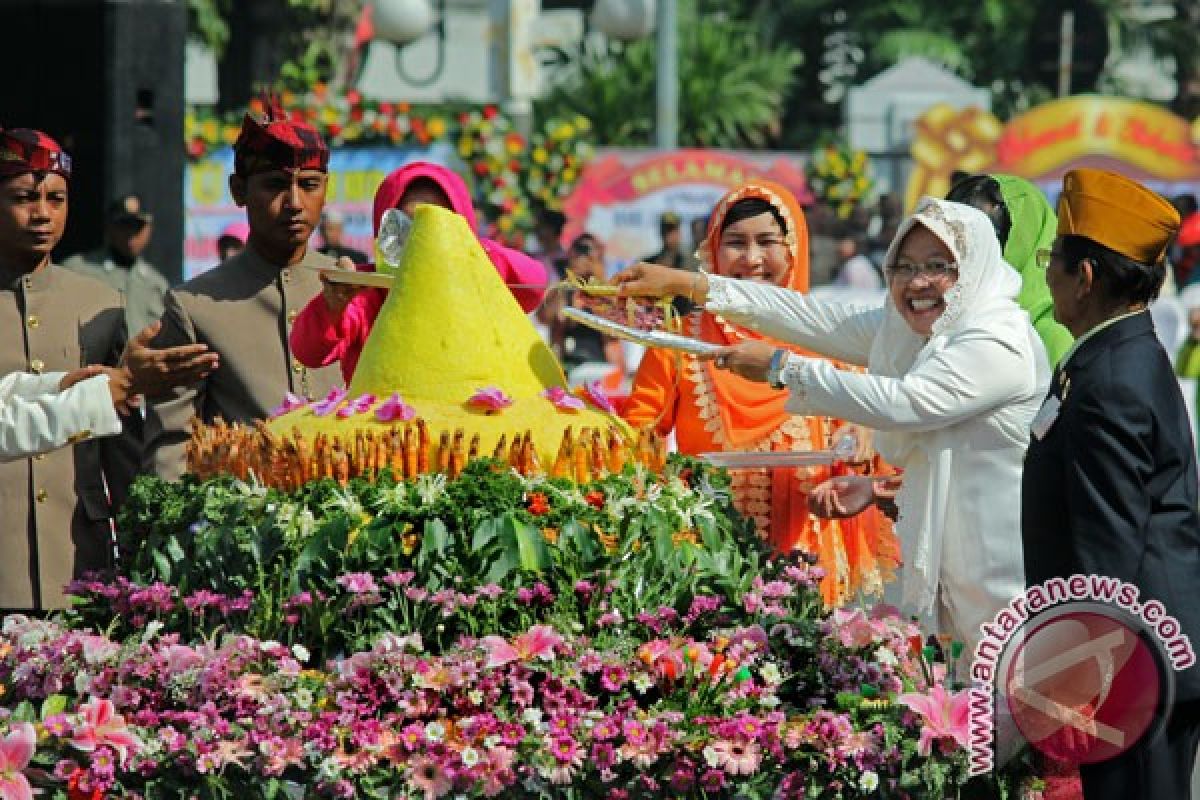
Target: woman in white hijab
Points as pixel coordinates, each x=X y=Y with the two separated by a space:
x=955 y=376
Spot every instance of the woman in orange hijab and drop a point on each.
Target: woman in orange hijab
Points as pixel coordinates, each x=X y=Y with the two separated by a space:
x=758 y=232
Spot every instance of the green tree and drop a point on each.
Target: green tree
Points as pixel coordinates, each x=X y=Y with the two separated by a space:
x=731 y=93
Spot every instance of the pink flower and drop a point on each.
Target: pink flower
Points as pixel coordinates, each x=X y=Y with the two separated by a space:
x=291 y=402
x=945 y=716
x=359 y=405
x=737 y=757
x=332 y=400
x=598 y=397
x=852 y=628
x=358 y=582
x=16 y=749
x=99 y=725
x=563 y=400
x=490 y=399
x=394 y=408
x=539 y=641
x=429 y=777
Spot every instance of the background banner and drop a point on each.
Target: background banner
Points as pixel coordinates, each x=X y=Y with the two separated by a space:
x=622 y=193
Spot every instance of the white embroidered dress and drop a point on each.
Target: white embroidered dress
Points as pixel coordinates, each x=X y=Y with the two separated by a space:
x=953 y=410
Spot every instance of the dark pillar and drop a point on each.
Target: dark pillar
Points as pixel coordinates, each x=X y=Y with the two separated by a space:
x=105 y=78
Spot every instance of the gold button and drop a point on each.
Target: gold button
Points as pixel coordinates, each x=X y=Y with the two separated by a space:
x=33 y=321
x=27 y=282
x=37 y=365
x=291 y=316
x=42 y=495
x=297 y=367
x=287 y=275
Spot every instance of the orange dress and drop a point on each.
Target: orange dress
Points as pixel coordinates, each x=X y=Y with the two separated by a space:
x=712 y=409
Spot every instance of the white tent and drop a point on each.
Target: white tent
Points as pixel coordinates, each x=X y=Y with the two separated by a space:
x=880 y=113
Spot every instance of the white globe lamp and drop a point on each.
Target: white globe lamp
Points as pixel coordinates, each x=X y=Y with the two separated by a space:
x=401 y=21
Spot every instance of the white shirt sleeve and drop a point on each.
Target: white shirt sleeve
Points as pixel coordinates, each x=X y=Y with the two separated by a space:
x=837 y=330
x=973 y=374
x=29 y=383
x=35 y=417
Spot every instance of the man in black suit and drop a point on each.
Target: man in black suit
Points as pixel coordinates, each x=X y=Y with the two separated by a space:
x=1110 y=485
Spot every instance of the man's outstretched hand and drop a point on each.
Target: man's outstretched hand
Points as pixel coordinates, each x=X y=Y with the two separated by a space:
x=154 y=372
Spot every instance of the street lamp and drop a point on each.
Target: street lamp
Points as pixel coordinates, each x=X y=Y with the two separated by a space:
x=633 y=19
x=402 y=22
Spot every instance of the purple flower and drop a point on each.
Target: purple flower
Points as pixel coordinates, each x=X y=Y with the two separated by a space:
x=712 y=781
x=603 y=755
x=598 y=397
x=357 y=582
x=395 y=409
x=491 y=399
x=332 y=400
x=291 y=402
x=359 y=405
x=563 y=400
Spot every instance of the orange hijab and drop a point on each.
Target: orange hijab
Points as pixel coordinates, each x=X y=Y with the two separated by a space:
x=751 y=410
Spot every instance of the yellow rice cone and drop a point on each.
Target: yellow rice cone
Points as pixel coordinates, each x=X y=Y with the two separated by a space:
x=449 y=328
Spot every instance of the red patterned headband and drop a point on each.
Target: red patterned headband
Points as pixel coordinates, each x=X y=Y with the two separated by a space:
x=26 y=150
x=276 y=142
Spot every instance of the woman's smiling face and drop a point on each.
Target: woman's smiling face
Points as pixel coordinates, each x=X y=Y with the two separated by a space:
x=754 y=249
x=918 y=279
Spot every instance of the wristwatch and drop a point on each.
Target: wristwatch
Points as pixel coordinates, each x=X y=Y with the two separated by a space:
x=775 y=369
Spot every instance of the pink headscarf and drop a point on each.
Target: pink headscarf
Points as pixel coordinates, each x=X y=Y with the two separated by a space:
x=388 y=195
x=515 y=267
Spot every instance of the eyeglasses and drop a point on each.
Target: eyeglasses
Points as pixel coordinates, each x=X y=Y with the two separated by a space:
x=935 y=270
x=1044 y=257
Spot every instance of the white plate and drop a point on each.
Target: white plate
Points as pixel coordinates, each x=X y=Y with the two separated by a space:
x=354 y=278
x=670 y=341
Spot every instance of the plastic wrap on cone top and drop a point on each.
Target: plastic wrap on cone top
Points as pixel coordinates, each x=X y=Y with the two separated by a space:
x=448 y=329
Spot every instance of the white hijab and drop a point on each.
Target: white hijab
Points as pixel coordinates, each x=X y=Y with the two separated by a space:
x=983 y=298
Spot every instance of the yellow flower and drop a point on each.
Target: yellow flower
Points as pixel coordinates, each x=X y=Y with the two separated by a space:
x=540 y=156
x=506 y=224
x=210 y=130
x=568 y=176
x=436 y=127
x=230 y=134
x=583 y=124
x=329 y=115
x=565 y=131
x=466 y=147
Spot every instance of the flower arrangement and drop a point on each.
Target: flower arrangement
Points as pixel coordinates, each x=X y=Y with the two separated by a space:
x=493 y=635
x=513 y=175
x=840 y=176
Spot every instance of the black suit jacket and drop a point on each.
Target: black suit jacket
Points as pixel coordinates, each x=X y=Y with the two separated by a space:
x=1111 y=487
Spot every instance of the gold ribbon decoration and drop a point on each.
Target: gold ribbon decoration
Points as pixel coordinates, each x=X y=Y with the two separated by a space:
x=948 y=139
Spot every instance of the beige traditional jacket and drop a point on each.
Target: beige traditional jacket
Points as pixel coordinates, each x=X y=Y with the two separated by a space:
x=55 y=509
x=243 y=309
